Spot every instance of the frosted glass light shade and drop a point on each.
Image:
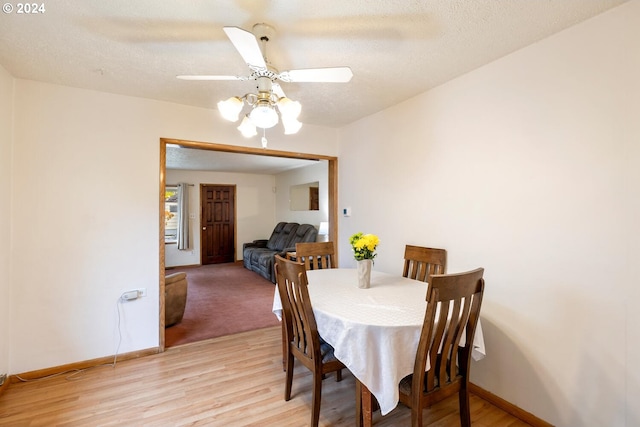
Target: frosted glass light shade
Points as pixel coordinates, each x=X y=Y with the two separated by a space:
x=289 y=109
x=291 y=126
x=247 y=128
x=230 y=109
x=264 y=116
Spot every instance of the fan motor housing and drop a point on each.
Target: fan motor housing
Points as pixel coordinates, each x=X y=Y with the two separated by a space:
x=263 y=32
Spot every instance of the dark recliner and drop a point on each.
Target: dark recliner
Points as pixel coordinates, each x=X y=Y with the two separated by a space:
x=259 y=255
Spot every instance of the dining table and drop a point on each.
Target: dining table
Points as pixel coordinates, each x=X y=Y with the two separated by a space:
x=374 y=331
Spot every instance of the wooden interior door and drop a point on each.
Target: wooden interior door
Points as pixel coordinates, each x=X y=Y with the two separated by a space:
x=217 y=237
x=314 y=199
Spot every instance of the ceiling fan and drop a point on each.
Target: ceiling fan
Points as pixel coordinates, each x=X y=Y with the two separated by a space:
x=270 y=94
x=247 y=45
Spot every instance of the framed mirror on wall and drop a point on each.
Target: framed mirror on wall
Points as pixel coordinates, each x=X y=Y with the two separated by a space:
x=305 y=197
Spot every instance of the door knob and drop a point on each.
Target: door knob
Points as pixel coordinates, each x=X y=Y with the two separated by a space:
x=204 y=228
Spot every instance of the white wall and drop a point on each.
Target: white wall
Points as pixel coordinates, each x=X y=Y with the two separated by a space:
x=528 y=167
x=6 y=138
x=85 y=216
x=255 y=209
x=317 y=172
x=628 y=19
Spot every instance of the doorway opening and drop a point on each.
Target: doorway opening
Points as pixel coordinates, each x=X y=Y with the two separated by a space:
x=332 y=175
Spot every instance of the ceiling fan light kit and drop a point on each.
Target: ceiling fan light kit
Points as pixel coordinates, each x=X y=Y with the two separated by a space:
x=263 y=112
x=270 y=95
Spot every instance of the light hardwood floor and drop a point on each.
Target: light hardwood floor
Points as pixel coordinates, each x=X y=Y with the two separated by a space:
x=228 y=381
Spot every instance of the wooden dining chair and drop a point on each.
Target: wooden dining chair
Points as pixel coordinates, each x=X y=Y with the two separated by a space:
x=316 y=255
x=453 y=310
x=420 y=262
x=301 y=331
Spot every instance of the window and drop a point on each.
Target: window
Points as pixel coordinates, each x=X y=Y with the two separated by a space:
x=171 y=214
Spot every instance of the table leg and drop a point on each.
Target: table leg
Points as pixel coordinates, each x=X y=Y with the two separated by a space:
x=364 y=405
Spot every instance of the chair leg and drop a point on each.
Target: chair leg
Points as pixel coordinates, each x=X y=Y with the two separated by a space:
x=316 y=397
x=339 y=375
x=285 y=346
x=289 y=377
x=416 y=416
x=465 y=411
x=358 y=403
x=416 y=410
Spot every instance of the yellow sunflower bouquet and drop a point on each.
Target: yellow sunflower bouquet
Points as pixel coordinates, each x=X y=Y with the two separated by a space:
x=364 y=246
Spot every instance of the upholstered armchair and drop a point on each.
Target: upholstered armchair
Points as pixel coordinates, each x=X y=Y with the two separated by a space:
x=175 y=298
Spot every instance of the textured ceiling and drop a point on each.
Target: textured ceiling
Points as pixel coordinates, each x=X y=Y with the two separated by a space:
x=396 y=49
x=207 y=160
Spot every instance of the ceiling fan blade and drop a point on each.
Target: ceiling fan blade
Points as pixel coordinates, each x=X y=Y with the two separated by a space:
x=247 y=45
x=277 y=89
x=327 y=75
x=211 y=78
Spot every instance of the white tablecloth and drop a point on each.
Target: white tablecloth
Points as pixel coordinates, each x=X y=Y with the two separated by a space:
x=375 y=331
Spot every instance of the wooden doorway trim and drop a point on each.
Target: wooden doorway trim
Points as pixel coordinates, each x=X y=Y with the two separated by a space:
x=332 y=182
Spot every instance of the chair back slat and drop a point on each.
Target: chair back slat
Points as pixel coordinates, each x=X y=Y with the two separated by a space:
x=316 y=255
x=421 y=262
